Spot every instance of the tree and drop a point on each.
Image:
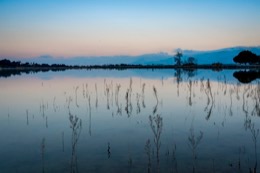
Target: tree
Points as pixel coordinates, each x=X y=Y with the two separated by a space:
x=246 y=57
x=177 y=57
x=191 y=60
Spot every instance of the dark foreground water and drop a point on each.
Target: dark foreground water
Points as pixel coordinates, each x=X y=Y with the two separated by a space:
x=128 y=121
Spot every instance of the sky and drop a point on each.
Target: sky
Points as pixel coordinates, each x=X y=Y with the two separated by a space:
x=69 y=28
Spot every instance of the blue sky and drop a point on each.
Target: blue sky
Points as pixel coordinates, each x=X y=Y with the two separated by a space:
x=128 y=27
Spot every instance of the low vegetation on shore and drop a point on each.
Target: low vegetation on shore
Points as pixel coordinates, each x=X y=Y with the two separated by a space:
x=244 y=60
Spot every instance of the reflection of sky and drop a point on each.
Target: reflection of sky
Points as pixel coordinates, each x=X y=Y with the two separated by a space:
x=70 y=28
x=224 y=133
x=155 y=74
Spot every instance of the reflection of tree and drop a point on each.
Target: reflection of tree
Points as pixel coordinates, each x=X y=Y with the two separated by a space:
x=178 y=79
x=76 y=126
x=246 y=76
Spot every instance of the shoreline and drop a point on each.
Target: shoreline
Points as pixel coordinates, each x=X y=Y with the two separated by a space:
x=125 y=67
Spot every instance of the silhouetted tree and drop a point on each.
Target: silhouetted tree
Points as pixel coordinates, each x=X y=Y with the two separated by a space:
x=245 y=57
x=191 y=60
x=177 y=57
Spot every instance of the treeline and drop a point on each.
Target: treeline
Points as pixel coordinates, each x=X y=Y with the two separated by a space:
x=245 y=59
x=5 y=63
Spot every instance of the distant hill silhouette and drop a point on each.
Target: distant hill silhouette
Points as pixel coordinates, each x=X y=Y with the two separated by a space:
x=223 y=56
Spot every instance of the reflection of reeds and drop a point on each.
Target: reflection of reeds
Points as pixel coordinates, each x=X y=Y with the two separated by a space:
x=96 y=95
x=256 y=99
x=174 y=159
x=155 y=94
x=128 y=95
x=43 y=154
x=138 y=106
x=190 y=90
x=83 y=91
x=119 y=108
x=55 y=107
x=62 y=140
x=46 y=122
x=231 y=91
x=76 y=96
x=244 y=105
x=143 y=95
x=87 y=92
x=76 y=126
x=156 y=125
x=157 y=101
x=8 y=115
x=107 y=94
x=42 y=108
x=193 y=144
x=108 y=150
x=68 y=101
x=27 y=117
x=210 y=100
x=254 y=132
x=147 y=150
x=118 y=86
x=89 y=108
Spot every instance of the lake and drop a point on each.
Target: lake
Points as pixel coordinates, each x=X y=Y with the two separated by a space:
x=129 y=121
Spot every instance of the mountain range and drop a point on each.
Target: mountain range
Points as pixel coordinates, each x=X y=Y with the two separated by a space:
x=224 y=56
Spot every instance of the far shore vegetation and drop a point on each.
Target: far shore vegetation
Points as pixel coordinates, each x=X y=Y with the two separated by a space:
x=244 y=60
x=247 y=67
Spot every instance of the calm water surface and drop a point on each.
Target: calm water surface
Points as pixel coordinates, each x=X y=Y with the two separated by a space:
x=128 y=121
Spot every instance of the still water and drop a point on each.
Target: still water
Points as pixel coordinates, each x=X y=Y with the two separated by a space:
x=128 y=121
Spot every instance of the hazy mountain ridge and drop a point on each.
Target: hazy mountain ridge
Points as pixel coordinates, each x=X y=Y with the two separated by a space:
x=224 y=56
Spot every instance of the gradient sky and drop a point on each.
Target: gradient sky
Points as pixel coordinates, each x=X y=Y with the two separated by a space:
x=68 y=28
